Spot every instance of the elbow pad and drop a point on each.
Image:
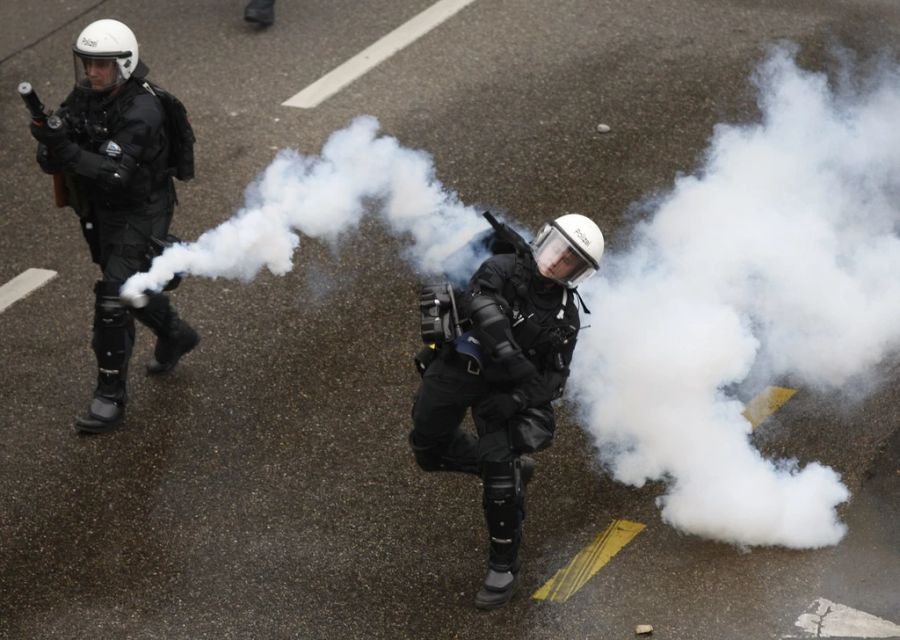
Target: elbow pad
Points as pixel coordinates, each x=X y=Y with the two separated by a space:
x=493 y=327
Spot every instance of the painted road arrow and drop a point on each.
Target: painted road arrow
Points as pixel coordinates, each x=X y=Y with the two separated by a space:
x=827 y=619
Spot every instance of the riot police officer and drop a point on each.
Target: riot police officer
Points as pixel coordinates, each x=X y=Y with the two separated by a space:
x=521 y=312
x=112 y=146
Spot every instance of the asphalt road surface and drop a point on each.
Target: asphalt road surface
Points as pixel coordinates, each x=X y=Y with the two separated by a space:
x=265 y=490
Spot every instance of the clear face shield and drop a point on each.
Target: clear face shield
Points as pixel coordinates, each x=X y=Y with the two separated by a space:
x=96 y=74
x=560 y=260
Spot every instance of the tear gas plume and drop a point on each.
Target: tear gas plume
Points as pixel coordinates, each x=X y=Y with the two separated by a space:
x=323 y=197
x=781 y=253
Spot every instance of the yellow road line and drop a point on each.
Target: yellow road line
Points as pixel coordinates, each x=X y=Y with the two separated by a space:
x=766 y=403
x=592 y=558
x=589 y=561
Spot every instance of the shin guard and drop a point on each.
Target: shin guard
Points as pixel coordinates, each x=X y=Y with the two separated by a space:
x=113 y=339
x=503 y=503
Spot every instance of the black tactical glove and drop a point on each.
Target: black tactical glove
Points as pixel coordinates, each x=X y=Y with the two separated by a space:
x=47 y=164
x=62 y=150
x=51 y=138
x=501 y=406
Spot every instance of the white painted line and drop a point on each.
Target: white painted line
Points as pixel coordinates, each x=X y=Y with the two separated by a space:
x=402 y=36
x=827 y=619
x=23 y=284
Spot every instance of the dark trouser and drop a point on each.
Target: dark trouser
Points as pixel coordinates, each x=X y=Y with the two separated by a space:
x=122 y=248
x=158 y=315
x=439 y=443
x=445 y=395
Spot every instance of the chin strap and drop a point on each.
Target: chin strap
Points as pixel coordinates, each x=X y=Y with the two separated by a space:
x=581 y=301
x=565 y=299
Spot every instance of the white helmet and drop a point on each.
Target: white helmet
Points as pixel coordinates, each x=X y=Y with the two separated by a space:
x=568 y=250
x=105 y=40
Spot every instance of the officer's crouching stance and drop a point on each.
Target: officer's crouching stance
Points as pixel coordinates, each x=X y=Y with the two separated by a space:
x=112 y=146
x=521 y=310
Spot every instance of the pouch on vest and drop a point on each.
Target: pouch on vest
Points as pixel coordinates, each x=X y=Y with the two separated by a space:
x=532 y=429
x=439 y=317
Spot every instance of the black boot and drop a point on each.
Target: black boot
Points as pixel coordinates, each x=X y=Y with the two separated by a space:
x=500 y=585
x=178 y=340
x=107 y=406
x=261 y=12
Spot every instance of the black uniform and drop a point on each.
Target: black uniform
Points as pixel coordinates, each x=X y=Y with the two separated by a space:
x=526 y=328
x=113 y=149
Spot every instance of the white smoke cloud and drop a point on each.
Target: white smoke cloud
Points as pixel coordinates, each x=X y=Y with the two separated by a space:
x=323 y=197
x=783 y=250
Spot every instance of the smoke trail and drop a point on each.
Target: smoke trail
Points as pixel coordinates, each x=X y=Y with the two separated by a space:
x=323 y=197
x=783 y=250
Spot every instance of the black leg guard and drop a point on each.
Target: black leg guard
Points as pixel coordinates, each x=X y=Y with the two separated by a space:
x=174 y=336
x=112 y=343
x=460 y=455
x=504 y=501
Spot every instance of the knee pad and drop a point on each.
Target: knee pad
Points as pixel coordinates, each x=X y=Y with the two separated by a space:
x=504 y=485
x=106 y=299
x=502 y=482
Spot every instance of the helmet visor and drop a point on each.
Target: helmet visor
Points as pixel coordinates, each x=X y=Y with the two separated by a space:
x=96 y=73
x=559 y=259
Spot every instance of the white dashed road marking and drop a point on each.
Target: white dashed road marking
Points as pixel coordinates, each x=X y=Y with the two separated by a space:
x=22 y=285
x=402 y=36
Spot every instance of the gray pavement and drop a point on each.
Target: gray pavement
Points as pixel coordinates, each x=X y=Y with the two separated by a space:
x=265 y=490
